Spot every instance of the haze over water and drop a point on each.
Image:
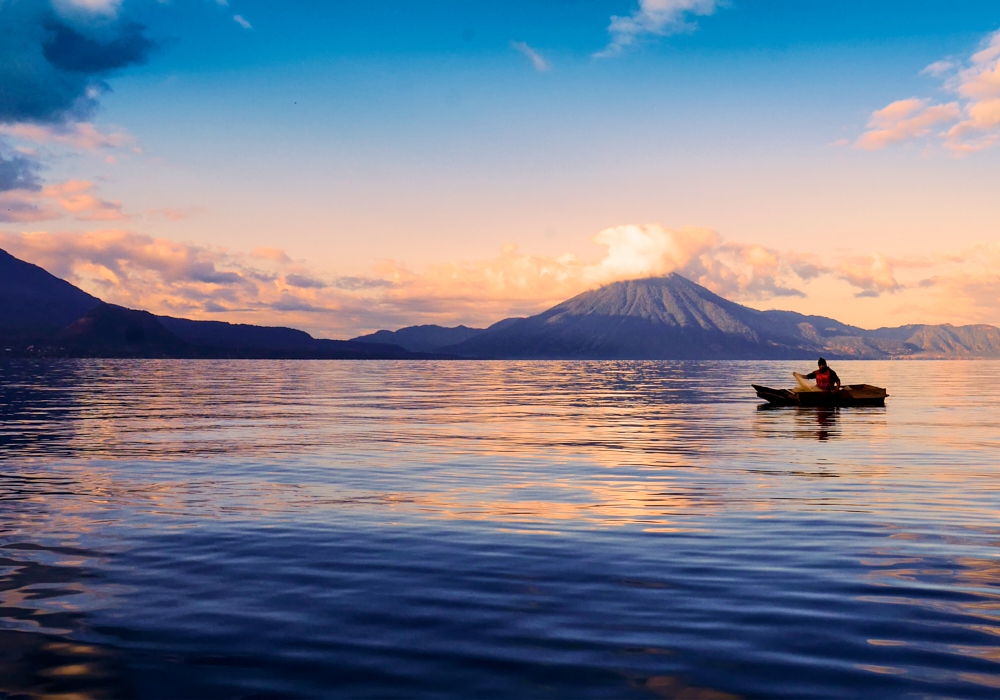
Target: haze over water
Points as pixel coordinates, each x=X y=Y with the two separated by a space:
x=495 y=529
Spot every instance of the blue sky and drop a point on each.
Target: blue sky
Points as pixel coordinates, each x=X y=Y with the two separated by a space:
x=351 y=134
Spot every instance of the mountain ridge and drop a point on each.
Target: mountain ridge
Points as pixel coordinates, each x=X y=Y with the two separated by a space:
x=667 y=317
x=44 y=316
x=421 y=338
x=35 y=302
x=672 y=317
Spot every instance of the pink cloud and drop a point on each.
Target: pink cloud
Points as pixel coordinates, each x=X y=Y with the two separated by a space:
x=81 y=135
x=173 y=213
x=905 y=120
x=72 y=198
x=974 y=118
x=274 y=254
x=75 y=198
x=268 y=287
x=21 y=206
x=873 y=274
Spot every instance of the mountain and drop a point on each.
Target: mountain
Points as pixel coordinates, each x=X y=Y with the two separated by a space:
x=945 y=340
x=42 y=315
x=237 y=337
x=239 y=340
x=656 y=318
x=421 y=338
x=673 y=318
x=34 y=303
x=108 y=330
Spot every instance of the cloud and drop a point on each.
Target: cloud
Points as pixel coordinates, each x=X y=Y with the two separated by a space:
x=18 y=173
x=73 y=198
x=273 y=254
x=115 y=257
x=515 y=283
x=242 y=22
x=80 y=135
x=71 y=50
x=355 y=283
x=974 y=117
x=962 y=287
x=53 y=70
x=304 y=282
x=905 y=120
x=979 y=84
x=268 y=287
x=537 y=60
x=641 y=251
x=656 y=17
x=873 y=275
x=171 y=277
x=15 y=209
x=100 y=7
x=939 y=68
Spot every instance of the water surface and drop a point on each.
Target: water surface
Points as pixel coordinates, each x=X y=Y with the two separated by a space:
x=495 y=529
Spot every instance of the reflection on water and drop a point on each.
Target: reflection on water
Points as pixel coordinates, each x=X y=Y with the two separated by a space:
x=616 y=529
x=816 y=421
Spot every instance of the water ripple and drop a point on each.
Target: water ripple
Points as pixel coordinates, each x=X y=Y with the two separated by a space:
x=495 y=529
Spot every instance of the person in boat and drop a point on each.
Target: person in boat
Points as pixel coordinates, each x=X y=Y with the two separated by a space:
x=826 y=378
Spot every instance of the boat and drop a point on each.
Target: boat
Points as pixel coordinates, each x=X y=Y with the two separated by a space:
x=805 y=394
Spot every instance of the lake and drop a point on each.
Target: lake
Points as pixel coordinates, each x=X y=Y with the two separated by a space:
x=245 y=529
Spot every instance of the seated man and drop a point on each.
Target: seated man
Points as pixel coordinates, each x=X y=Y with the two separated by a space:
x=826 y=378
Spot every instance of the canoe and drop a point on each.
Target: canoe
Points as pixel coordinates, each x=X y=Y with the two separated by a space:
x=848 y=395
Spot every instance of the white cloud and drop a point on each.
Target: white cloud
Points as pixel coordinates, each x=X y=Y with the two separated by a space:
x=642 y=251
x=939 y=68
x=656 y=17
x=537 y=60
x=242 y=22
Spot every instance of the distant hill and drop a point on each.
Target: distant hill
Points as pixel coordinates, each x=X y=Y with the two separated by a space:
x=656 y=318
x=945 y=340
x=42 y=315
x=108 y=330
x=114 y=331
x=236 y=340
x=421 y=338
x=237 y=336
x=34 y=303
x=673 y=318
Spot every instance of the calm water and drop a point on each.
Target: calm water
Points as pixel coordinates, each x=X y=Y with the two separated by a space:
x=543 y=529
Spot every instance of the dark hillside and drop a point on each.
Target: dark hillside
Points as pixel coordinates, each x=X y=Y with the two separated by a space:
x=34 y=303
x=429 y=338
x=114 y=331
x=237 y=336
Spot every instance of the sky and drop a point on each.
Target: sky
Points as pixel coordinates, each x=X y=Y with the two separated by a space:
x=348 y=166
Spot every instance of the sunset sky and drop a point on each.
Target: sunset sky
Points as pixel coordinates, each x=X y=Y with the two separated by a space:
x=347 y=166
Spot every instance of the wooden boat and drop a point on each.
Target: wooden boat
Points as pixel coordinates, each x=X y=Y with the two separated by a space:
x=848 y=395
